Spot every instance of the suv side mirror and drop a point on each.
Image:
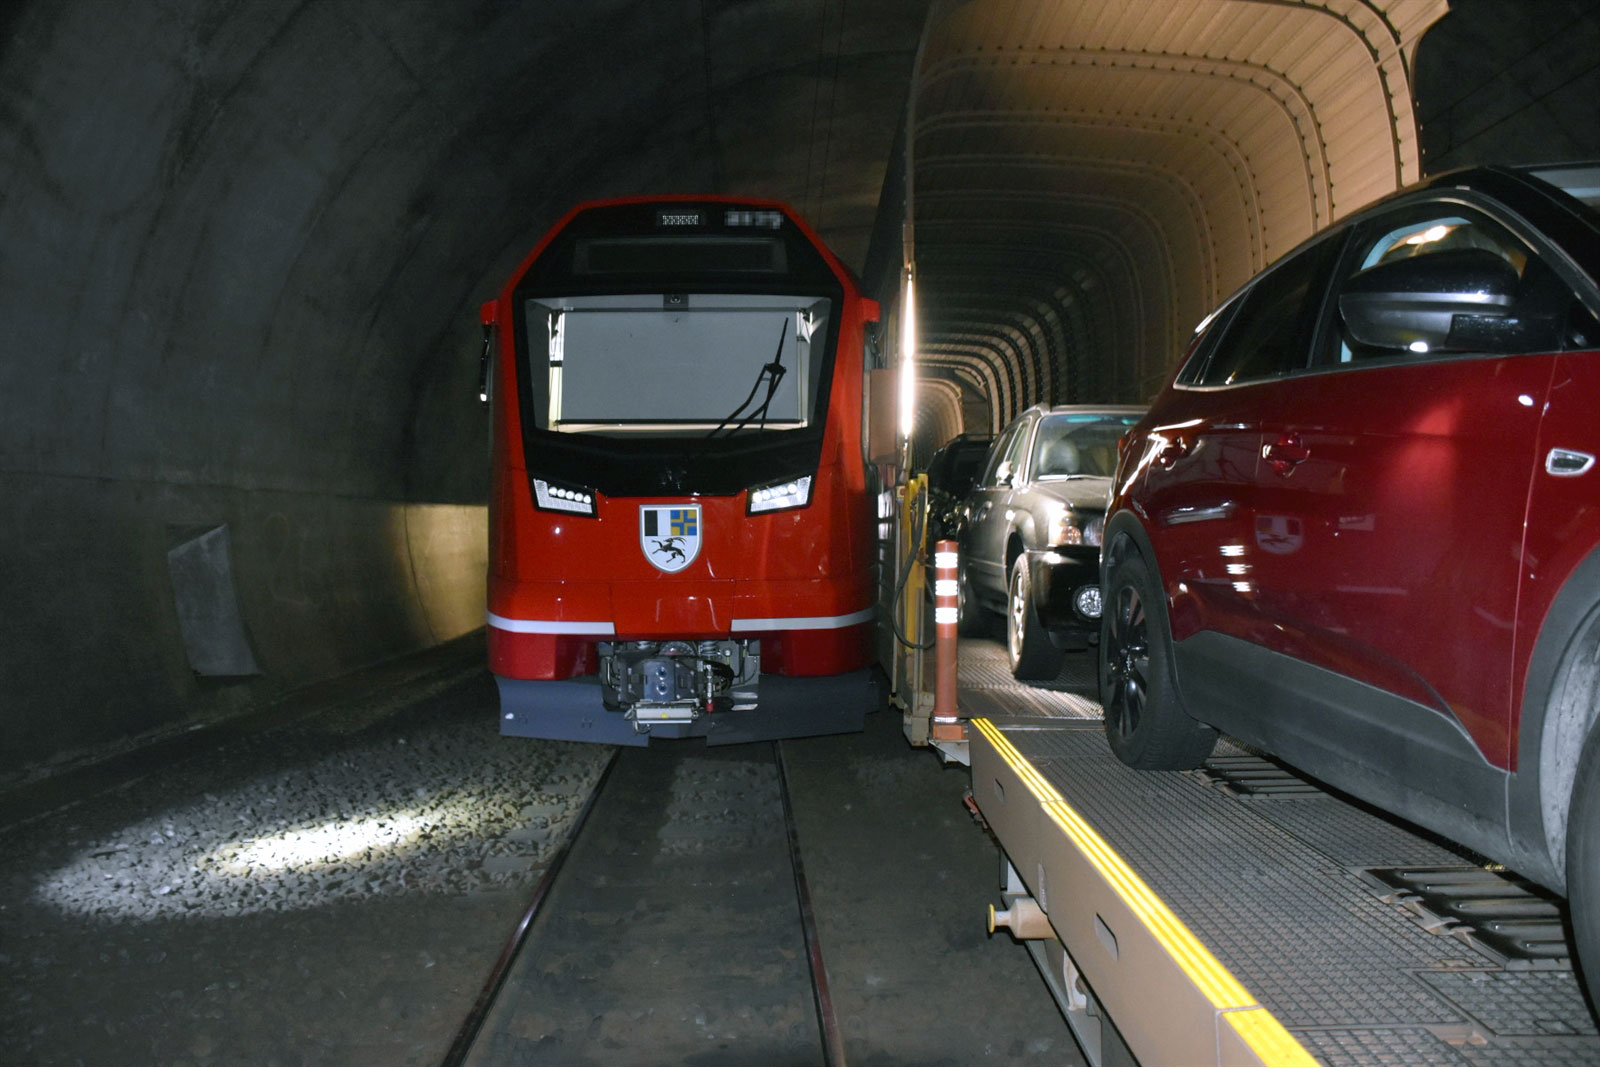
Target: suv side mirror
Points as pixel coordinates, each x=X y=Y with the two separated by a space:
x=1004 y=475
x=1452 y=299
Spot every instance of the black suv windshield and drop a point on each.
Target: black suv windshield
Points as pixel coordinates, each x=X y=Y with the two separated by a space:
x=1078 y=446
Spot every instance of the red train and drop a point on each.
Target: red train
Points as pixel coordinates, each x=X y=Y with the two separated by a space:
x=681 y=538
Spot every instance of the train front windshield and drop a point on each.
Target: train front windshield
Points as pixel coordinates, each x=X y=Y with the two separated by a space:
x=670 y=348
x=676 y=364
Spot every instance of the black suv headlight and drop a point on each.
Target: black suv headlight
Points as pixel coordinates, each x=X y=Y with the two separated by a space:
x=1068 y=527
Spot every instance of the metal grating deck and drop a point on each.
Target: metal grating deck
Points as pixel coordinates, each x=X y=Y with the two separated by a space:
x=987 y=688
x=1272 y=888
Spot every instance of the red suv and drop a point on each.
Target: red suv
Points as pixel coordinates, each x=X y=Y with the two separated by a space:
x=1360 y=529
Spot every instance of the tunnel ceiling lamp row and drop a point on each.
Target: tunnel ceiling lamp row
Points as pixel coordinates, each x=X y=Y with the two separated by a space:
x=908 y=351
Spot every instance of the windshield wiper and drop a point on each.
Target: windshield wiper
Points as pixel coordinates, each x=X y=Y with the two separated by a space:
x=773 y=373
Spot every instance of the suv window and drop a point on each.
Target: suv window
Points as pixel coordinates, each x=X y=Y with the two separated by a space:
x=1204 y=342
x=1444 y=280
x=996 y=454
x=1007 y=456
x=1270 y=333
x=1075 y=446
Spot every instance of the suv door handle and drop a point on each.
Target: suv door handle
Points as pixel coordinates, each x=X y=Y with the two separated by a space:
x=1286 y=453
x=1567 y=462
x=1170 y=451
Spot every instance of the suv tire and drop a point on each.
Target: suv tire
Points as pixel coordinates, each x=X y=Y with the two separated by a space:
x=972 y=619
x=1033 y=657
x=1583 y=862
x=1146 y=723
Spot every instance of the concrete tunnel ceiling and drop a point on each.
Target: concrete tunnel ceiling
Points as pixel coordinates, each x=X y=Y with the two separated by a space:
x=1089 y=179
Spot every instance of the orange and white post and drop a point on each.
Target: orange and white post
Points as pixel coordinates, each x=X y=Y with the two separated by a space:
x=947 y=725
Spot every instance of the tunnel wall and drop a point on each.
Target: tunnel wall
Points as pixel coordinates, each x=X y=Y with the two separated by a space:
x=231 y=303
x=242 y=246
x=1498 y=89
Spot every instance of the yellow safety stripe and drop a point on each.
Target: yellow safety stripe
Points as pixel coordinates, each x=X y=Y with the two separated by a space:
x=1259 y=1029
x=1037 y=783
x=1267 y=1038
x=1203 y=969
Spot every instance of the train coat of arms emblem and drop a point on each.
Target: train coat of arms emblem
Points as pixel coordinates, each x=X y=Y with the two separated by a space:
x=670 y=535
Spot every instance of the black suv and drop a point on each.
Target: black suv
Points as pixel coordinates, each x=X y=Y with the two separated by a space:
x=951 y=474
x=1030 y=532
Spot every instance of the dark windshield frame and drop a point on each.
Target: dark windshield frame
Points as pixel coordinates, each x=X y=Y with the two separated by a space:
x=647 y=465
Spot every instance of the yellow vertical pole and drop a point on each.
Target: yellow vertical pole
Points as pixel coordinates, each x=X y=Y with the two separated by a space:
x=915 y=689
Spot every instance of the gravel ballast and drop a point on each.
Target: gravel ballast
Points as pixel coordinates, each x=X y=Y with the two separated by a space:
x=330 y=891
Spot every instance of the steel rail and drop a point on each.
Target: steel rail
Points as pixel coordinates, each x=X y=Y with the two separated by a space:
x=474 y=1021
x=832 y=1040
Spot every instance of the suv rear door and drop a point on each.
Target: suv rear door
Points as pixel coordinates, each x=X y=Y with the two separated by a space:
x=1199 y=463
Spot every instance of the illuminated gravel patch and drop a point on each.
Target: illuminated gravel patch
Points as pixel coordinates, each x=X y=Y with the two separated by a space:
x=439 y=811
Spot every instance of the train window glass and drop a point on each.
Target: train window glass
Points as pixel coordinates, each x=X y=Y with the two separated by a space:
x=676 y=363
x=677 y=255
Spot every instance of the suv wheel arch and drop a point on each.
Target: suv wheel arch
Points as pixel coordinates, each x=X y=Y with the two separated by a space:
x=1560 y=705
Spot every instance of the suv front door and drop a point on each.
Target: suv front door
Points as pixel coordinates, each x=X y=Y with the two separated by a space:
x=1392 y=491
x=988 y=523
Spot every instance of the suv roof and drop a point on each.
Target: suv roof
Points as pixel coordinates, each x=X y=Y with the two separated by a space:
x=1084 y=409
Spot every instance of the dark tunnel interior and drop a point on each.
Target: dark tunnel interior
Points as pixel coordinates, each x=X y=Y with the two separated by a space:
x=242 y=247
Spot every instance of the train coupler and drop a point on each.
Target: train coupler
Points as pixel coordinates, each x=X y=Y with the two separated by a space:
x=676 y=682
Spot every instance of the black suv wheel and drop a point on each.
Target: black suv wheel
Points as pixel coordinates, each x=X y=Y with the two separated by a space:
x=1146 y=724
x=1033 y=657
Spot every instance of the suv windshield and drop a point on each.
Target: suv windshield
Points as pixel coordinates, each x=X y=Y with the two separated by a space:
x=1078 y=446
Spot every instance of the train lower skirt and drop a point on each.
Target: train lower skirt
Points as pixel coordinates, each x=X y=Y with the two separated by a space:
x=574 y=710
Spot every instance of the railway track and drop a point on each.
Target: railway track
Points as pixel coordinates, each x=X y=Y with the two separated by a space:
x=675 y=926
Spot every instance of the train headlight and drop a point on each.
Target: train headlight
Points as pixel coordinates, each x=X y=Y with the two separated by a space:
x=570 y=499
x=781 y=496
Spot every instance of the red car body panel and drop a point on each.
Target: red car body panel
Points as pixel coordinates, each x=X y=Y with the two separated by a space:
x=1563 y=513
x=1396 y=573
x=1371 y=497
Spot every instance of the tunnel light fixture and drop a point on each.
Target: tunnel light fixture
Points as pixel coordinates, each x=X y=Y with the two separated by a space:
x=908 y=351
